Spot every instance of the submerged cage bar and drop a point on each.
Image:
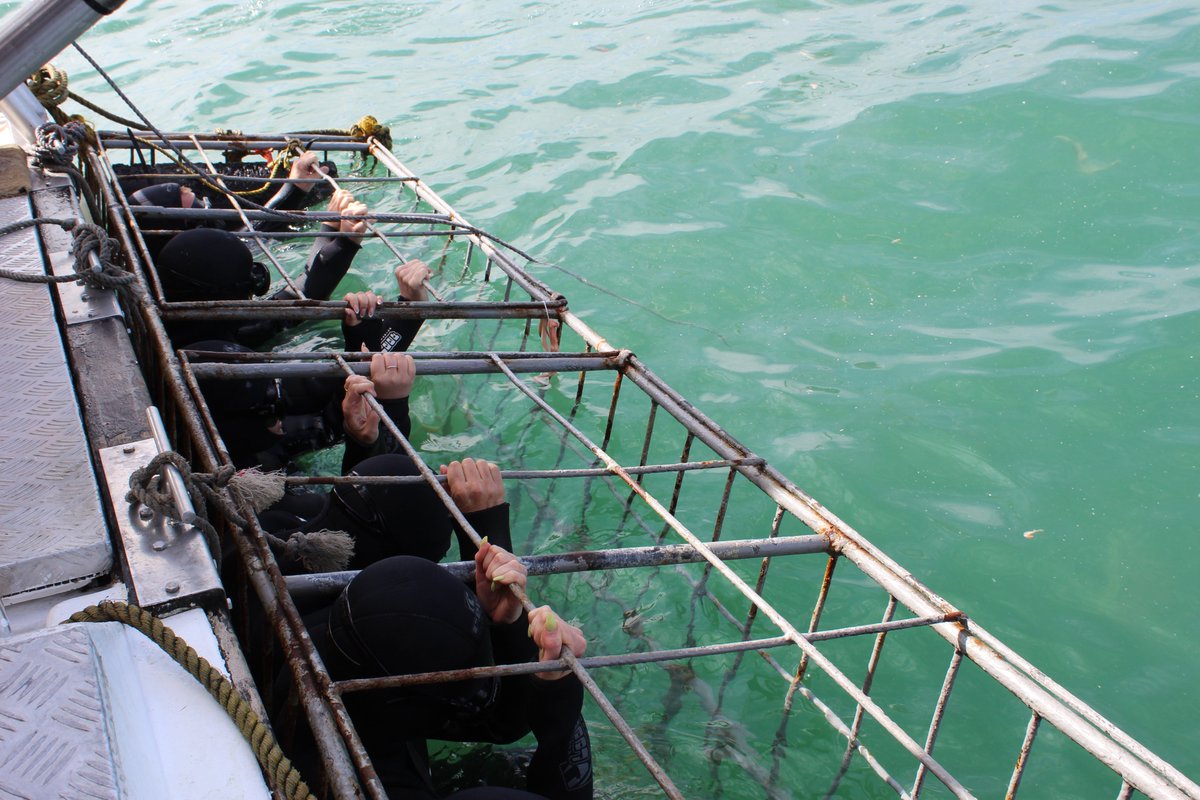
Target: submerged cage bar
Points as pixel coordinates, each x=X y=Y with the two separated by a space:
x=1137 y=767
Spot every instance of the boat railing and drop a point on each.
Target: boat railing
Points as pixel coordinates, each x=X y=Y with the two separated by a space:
x=591 y=433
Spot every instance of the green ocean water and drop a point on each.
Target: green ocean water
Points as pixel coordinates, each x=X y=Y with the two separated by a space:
x=936 y=261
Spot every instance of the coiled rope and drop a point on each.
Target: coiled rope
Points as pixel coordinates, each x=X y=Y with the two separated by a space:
x=319 y=551
x=277 y=766
x=50 y=86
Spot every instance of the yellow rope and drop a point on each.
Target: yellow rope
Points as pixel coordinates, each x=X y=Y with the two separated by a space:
x=277 y=766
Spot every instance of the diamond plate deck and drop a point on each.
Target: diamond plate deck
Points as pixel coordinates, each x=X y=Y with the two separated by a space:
x=52 y=528
x=98 y=711
x=53 y=734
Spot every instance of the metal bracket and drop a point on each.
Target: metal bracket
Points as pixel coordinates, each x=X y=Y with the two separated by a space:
x=168 y=562
x=81 y=303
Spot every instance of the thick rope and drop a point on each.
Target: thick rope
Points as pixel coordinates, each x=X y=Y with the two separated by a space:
x=275 y=764
x=50 y=86
x=319 y=551
x=85 y=238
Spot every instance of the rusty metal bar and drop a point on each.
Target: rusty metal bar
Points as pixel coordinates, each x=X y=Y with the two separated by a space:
x=198 y=214
x=116 y=141
x=527 y=282
x=589 y=684
x=331 y=309
x=624 y=659
x=426 y=364
x=592 y=560
x=1023 y=757
x=266 y=579
x=507 y=474
x=856 y=724
x=259 y=180
x=112 y=191
x=935 y=722
x=339 y=751
x=1063 y=709
x=377 y=234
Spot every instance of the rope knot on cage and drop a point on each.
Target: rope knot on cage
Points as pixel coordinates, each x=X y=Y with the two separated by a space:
x=318 y=551
x=57 y=144
x=88 y=238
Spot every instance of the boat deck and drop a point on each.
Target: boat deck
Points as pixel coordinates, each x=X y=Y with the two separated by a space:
x=52 y=525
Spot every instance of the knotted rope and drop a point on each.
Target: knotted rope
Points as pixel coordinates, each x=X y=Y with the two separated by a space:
x=276 y=765
x=86 y=238
x=50 y=86
x=319 y=551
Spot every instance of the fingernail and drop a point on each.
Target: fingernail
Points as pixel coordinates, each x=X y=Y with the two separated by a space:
x=551 y=623
x=493 y=586
x=529 y=631
x=484 y=539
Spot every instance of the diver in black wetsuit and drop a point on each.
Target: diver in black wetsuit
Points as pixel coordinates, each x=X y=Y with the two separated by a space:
x=264 y=422
x=384 y=520
x=405 y=615
x=305 y=173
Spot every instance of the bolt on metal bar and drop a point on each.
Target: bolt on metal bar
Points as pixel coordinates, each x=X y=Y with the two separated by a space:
x=939 y=712
x=1023 y=757
x=781 y=621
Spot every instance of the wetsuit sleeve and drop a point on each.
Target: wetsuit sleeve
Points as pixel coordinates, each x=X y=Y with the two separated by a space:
x=290 y=197
x=385 y=443
x=328 y=262
x=490 y=522
x=380 y=336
